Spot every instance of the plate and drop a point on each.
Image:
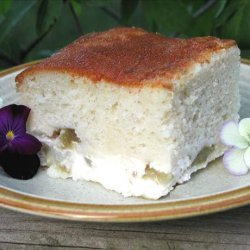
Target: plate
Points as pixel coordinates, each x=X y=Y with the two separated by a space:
x=210 y=190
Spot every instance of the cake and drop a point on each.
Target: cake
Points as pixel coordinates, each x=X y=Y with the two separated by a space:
x=132 y=110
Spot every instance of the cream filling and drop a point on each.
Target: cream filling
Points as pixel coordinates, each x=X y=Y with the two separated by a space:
x=128 y=176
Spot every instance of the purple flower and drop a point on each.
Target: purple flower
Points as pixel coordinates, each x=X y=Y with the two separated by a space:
x=17 y=148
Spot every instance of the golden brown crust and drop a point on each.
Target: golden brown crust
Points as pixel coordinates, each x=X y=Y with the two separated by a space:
x=130 y=57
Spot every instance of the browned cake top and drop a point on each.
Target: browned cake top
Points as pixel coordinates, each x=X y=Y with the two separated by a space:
x=131 y=57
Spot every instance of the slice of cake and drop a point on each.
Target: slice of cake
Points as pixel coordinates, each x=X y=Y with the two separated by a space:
x=132 y=110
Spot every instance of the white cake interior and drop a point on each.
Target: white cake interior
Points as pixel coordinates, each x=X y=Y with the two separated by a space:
x=136 y=141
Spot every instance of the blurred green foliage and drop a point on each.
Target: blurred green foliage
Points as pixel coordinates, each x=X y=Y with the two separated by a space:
x=33 y=29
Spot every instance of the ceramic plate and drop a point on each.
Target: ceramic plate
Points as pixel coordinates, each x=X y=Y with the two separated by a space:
x=210 y=190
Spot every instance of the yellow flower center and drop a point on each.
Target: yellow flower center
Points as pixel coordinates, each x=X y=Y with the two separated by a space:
x=10 y=135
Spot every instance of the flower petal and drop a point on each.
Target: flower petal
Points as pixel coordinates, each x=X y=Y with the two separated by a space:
x=233 y=161
x=19 y=166
x=13 y=117
x=20 y=115
x=244 y=128
x=25 y=144
x=230 y=135
x=3 y=143
x=247 y=157
x=5 y=119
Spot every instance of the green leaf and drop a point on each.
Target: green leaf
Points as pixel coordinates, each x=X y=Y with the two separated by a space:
x=16 y=13
x=76 y=6
x=10 y=49
x=237 y=26
x=220 y=6
x=98 y=3
x=230 y=10
x=201 y=26
x=44 y=53
x=245 y=53
x=169 y=16
x=193 y=6
x=127 y=9
x=5 y=6
x=48 y=14
x=203 y=23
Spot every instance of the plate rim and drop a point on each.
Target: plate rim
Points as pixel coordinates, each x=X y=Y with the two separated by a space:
x=18 y=201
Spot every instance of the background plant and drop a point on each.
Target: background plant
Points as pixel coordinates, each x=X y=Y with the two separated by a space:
x=33 y=29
